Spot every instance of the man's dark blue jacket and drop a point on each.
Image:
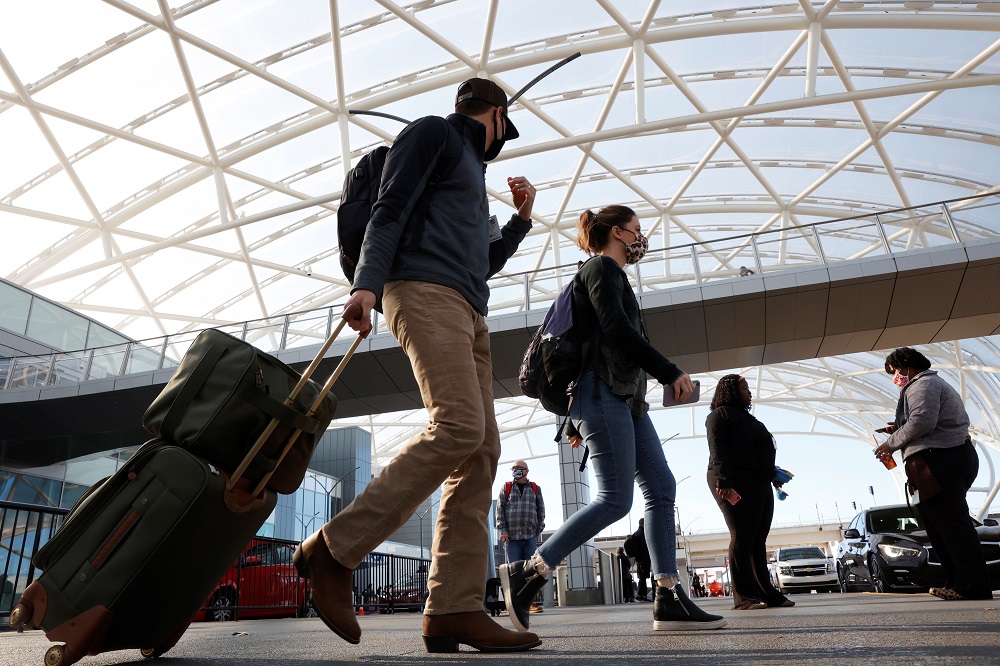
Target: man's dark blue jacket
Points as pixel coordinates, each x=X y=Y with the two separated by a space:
x=452 y=248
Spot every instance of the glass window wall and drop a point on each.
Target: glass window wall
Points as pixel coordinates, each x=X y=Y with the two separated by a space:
x=312 y=503
x=56 y=326
x=100 y=336
x=15 y=305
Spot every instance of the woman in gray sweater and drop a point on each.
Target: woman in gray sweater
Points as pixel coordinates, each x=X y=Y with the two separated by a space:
x=932 y=431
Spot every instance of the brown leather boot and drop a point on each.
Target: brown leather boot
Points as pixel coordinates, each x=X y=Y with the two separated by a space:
x=443 y=633
x=331 y=587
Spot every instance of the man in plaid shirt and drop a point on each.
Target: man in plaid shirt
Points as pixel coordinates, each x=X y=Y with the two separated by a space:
x=520 y=517
x=520 y=514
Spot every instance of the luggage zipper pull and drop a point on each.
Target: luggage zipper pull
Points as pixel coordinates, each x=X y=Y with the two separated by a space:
x=260 y=378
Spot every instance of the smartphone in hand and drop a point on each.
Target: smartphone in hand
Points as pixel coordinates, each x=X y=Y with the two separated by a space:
x=670 y=401
x=733 y=497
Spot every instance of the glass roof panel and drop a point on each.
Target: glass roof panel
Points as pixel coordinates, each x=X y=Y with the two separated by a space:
x=253 y=29
x=128 y=82
x=40 y=37
x=23 y=138
x=225 y=109
x=897 y=47
x=969 y=110
x=527 y=21
x=120 y=169
x=56 y=195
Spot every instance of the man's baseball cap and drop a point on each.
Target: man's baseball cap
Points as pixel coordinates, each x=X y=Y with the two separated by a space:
x=485 y=90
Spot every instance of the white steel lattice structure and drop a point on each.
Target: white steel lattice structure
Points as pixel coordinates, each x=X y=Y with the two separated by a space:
x=171 y=166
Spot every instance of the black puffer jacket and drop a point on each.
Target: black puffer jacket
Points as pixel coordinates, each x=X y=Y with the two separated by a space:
x=453 y=246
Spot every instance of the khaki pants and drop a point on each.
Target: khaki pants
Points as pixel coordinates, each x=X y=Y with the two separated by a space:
x=448 y=345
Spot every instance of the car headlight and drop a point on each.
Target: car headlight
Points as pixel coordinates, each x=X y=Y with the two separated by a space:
x=893 y=551
x=830 y=568
x=785 y=570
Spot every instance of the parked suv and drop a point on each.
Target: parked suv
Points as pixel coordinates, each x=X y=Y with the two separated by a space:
x=886 y=549
x=802 y=569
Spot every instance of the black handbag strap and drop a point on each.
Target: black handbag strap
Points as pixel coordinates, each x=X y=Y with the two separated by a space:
x=179 y=407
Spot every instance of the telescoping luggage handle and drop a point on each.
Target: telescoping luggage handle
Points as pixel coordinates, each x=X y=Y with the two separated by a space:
x=291 y=399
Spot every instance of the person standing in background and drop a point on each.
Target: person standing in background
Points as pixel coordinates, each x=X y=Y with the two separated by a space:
x=740 y=475
x=635 y=546
x=520 y=517
x=520 y=514
x=932 y=431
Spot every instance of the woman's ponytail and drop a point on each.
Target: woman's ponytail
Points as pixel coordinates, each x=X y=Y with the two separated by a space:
x=593 y=230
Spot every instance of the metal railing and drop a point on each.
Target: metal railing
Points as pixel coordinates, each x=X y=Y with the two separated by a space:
x=263 y=582
x=886 y=233
x=24 y=528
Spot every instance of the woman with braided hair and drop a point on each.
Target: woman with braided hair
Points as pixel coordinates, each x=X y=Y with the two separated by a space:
x=740 y=474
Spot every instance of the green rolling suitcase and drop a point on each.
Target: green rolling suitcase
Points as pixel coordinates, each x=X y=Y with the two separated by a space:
x=142 y=550
x=138 y=556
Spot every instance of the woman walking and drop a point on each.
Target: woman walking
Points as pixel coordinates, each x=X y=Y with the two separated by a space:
x=740 y=474
x=609 y=413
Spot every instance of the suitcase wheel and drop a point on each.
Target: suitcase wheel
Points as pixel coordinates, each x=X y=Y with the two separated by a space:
x=21 y=614
x=151 y=653
x=57 y=655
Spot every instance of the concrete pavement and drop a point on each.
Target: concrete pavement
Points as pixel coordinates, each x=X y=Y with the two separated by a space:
x=820 y=629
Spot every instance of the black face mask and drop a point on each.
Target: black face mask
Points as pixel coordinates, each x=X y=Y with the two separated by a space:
x=497 y=145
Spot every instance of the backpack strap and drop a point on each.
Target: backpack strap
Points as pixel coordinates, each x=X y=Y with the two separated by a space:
x=589 y=351
x=507 y=487
x=448 y=159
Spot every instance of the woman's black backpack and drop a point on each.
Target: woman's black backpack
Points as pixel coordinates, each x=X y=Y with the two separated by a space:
x=553 y=361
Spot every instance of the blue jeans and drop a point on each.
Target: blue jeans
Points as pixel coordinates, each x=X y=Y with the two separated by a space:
x=520 y=549
x=622 y=448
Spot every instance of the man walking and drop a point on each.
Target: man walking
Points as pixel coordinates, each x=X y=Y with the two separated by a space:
x=431 y=278
x=520 y=517
x=635 y=546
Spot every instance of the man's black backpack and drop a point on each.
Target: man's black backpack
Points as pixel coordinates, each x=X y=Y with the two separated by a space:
x=361 y=186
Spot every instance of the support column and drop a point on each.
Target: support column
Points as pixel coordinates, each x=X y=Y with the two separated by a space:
x=579 y=587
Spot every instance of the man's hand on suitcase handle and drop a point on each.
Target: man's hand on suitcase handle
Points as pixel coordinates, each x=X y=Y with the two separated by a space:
x=358 y=311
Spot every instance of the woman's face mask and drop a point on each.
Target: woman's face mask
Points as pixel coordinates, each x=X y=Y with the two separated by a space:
x=636 y=250
x=899 y=379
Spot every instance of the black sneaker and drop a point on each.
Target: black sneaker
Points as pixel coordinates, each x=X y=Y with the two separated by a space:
x=673 y=611
x=520 y=583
